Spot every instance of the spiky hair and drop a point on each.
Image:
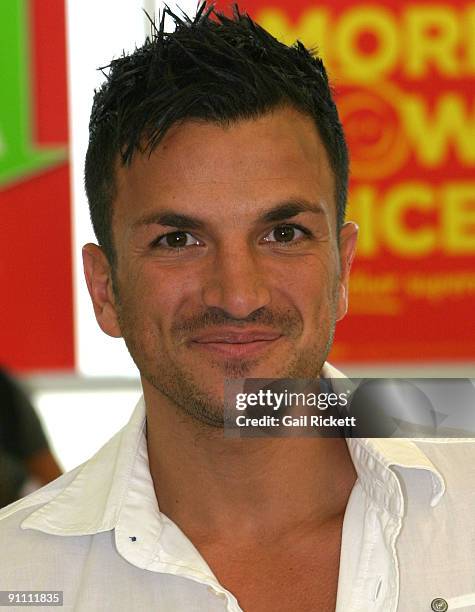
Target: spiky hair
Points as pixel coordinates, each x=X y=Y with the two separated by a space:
x=214 y=68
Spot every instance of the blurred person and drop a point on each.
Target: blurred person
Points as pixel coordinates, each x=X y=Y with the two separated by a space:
x=26 y=462
x=217 y=175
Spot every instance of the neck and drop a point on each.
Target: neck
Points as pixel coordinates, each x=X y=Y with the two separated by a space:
x=217 y=488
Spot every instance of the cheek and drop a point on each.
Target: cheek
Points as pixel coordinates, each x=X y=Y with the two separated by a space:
x=311 y=286
x=151 y=299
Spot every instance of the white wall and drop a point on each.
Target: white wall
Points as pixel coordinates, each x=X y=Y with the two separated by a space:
x=78 y=423
x=97 y=31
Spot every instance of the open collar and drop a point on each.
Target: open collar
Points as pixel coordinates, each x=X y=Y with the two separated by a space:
x=114 y=489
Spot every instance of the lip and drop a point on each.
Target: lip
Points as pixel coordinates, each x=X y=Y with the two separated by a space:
x=236 y=343
x=236 y=336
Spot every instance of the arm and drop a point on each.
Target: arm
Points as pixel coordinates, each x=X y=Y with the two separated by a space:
x=13 y=475
x=43 y=466
x=24 y=441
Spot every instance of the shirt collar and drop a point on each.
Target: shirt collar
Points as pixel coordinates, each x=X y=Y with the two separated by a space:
x=92 y=501
x=114 y=490
x=374 y=457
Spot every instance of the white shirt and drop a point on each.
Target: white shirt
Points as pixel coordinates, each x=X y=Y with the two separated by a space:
x=96 y=533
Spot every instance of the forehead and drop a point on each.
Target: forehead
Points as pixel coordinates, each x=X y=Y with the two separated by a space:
x=227 y=171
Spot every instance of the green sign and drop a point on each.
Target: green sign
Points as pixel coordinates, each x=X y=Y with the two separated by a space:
x=19 y=156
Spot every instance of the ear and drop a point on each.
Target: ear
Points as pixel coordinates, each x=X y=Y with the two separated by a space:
x=348 y=236
x=99 y=283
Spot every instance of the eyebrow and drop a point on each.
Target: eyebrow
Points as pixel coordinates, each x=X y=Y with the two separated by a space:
x=170 y=218
x=280 y=212
x=290 y=209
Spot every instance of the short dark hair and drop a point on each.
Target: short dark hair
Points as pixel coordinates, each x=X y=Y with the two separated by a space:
x=214 y=68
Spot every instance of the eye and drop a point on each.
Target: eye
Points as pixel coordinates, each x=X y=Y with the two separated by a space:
x=175 y=240
x=289 y=233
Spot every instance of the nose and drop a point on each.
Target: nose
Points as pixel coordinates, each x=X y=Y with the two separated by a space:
x=236 y=283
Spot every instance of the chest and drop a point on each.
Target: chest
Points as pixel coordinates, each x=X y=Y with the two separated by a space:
x=264 y=580
x=297 y=589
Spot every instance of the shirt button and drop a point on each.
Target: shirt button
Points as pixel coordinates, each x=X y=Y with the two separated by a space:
x=439 y=605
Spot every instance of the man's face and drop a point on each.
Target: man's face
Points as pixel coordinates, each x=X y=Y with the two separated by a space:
x=227 y=258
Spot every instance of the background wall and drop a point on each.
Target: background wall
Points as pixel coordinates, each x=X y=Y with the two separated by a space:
x=404 y=74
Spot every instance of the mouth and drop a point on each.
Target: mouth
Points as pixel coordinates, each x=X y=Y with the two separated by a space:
x=238 y=344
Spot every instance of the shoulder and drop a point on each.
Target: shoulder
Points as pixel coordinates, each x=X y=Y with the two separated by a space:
x=12 y=513
x=31 y=555
x=12 y=535
x=450 y=463
x=453 y=457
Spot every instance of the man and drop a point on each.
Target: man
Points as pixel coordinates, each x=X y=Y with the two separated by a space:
x=26 y=462
x=217 y=175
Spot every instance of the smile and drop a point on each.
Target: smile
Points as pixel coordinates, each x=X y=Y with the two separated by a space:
x=236 y=343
